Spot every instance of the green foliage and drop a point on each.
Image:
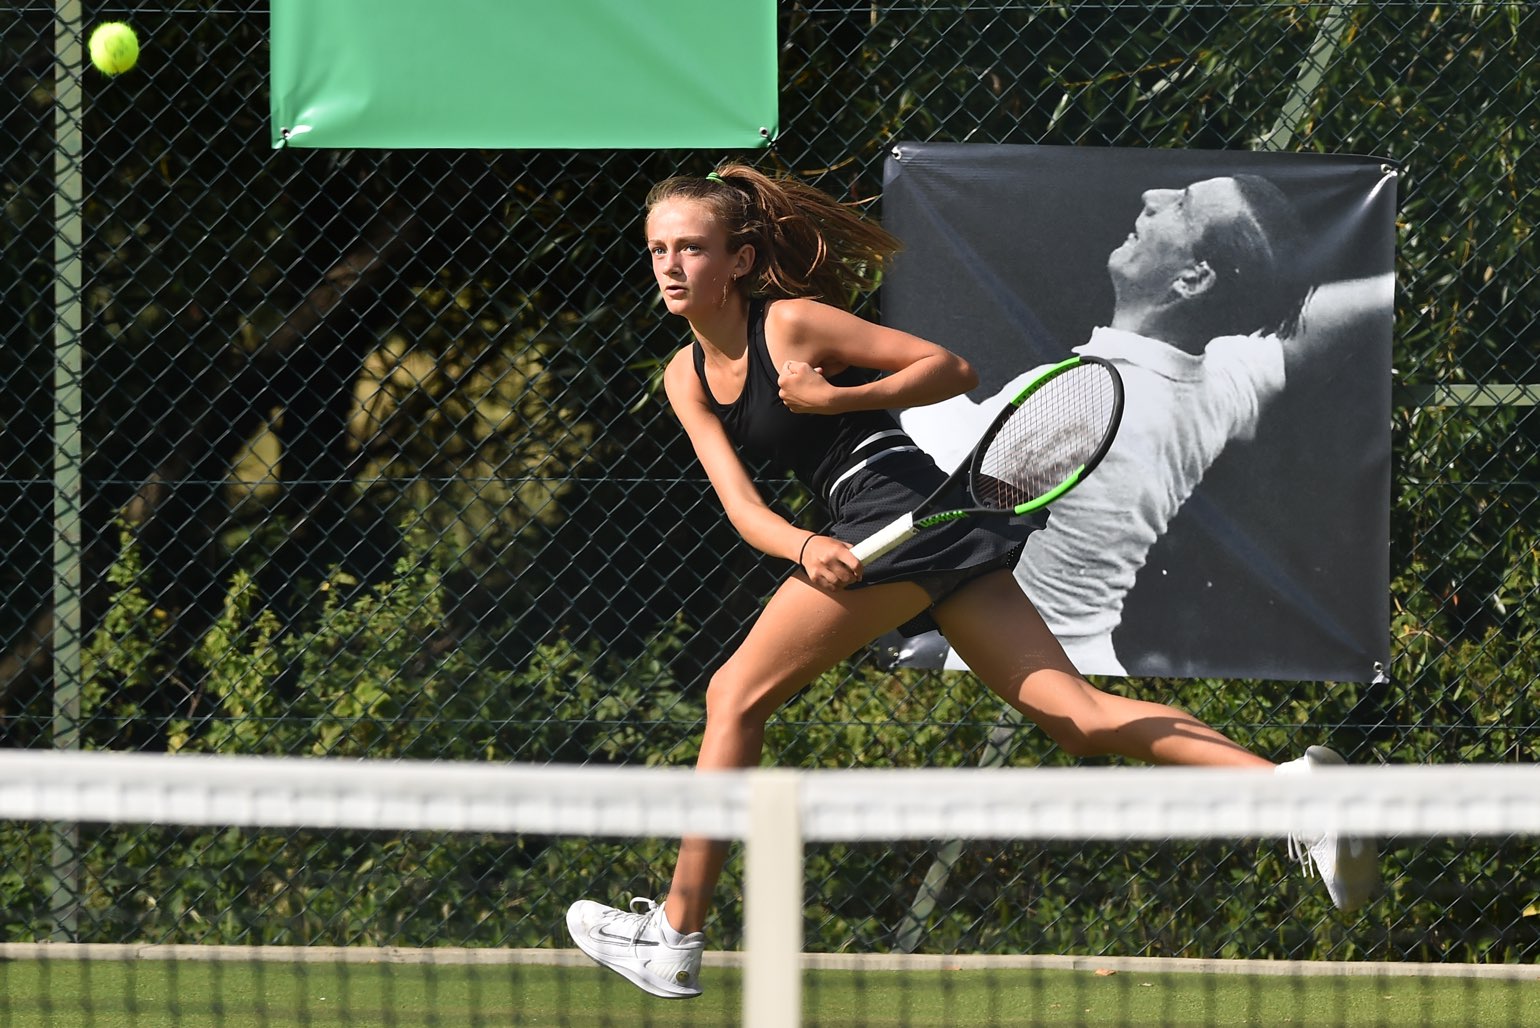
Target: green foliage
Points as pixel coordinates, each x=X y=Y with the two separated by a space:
x=127 y=658
x=365 y=671
x=375 y=671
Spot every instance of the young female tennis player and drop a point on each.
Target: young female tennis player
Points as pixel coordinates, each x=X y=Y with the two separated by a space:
x=777 y=374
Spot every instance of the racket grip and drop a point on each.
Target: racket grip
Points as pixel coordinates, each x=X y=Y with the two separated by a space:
x=884 y=539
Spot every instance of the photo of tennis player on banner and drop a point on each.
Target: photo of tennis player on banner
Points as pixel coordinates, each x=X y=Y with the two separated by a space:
x=1238 y=526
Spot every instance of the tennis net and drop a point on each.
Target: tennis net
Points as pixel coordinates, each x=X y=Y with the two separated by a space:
x=154 y=889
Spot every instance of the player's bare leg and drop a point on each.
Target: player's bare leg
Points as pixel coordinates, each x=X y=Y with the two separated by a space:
x=996 y=629
x=802 y=632
x=1031 y=672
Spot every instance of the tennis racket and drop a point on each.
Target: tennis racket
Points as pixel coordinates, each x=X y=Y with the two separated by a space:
x=1045 y=442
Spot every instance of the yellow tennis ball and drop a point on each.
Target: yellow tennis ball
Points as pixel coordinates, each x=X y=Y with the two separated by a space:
x=114 y=47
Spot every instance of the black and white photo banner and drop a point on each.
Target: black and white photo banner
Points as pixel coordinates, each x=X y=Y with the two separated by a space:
x=1239 y=526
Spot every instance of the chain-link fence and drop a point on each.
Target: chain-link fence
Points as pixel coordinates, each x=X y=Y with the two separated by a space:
x=363 y=453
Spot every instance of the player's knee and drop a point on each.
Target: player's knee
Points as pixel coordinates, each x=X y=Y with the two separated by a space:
x=730 y=703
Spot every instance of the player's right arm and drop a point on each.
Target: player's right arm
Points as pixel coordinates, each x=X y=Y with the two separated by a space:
x=759 y=525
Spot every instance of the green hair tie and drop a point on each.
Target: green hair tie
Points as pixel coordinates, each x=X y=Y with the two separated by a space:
x=715 y=177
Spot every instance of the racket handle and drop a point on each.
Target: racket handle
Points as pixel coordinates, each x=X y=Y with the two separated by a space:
x=884 y=539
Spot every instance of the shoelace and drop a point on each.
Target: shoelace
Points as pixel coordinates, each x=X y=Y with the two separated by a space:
x=1299 y=851
x=643 y=919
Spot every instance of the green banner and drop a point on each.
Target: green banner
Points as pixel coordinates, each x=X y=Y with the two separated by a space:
x=540 y=74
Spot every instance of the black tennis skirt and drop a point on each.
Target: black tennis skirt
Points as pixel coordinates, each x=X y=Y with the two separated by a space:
x=941 y=559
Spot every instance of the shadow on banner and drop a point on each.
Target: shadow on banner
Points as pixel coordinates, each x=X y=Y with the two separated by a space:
x=1240 y=525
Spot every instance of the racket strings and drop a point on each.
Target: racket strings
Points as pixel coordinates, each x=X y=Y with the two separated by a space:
x=1050 y=436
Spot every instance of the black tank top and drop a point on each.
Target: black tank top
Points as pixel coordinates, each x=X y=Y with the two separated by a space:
x=817 y=448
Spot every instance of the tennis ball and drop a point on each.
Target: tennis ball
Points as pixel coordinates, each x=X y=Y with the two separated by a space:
x=114 y=47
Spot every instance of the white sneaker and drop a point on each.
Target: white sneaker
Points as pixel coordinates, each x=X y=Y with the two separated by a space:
x=636 y=945
x=1348 y=866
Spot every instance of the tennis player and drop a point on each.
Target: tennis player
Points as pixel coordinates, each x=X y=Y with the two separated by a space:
x=778 y=376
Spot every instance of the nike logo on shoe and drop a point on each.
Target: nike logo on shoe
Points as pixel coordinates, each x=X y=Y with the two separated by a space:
x=628 y=939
